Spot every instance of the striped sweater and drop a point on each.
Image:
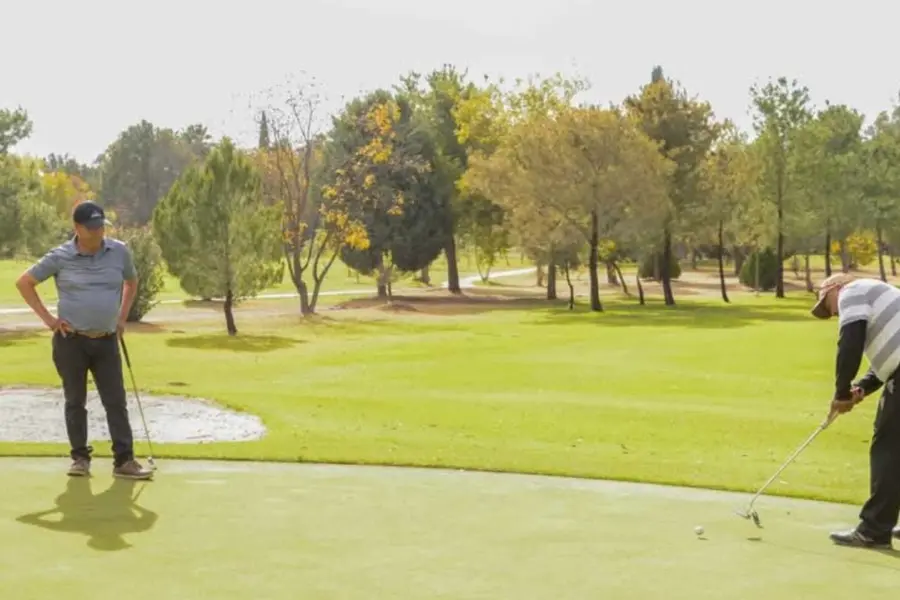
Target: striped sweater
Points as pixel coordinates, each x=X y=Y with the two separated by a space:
x=869 y=322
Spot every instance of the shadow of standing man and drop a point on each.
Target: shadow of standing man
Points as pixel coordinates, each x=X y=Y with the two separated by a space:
x=104 y=517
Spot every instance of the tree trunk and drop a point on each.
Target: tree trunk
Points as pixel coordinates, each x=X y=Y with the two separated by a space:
x=880 y=242
x=551 y=281
x=452 y=268
x=381 y=285
x=738 y=261
x=426 y=276
x=845 y=258
x=571 y=287
x=640 y=289
x=779 y=255
x=611 y=274
x=893 y=262
x=319 y=278
x=229 y=312
x=722 y=261
x=621 y=277
x=593 y=263
x=809 y=281
x=828 y=250
x=665 y=272
x=795 y=266
x=305 y=307
x=694 y=259
x=540 y=275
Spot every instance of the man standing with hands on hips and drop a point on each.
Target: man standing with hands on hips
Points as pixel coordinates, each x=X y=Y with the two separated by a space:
x=868 y=312
x=96 y=284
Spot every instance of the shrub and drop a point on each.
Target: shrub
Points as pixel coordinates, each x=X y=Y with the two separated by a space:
x=648 y=272
x=149 y=266
x=768 y=270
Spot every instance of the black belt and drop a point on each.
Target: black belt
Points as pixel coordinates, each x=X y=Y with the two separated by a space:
x=94 y=335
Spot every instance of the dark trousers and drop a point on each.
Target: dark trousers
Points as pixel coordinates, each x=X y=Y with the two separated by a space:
x=879 y=514
x=74 y=356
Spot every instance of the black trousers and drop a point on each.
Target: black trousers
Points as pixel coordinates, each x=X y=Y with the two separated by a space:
x=74 y=356
x=879 y=515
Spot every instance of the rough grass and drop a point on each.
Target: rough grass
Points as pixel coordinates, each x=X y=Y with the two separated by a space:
x=702 y=395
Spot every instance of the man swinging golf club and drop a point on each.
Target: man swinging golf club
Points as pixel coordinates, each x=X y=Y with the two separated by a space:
x=96 y=284
x=868 y=312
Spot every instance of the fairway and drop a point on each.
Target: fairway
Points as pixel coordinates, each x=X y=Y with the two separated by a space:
x=705 y=395
x=243 y=530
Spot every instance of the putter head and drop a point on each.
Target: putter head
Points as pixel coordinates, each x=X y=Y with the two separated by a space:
x=755 y=517
x=750 y=515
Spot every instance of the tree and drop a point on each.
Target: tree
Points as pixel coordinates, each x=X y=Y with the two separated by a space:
x=685 y=130
x=214 y=226
x=483 y=117
x=385 y=180
x=139 y=167
x=292 y=162
x=148 y=263
x=782 y=108
x=726 y=184
x=877 y=172
x=437 y=104
x=592 y=168
x=15 y=126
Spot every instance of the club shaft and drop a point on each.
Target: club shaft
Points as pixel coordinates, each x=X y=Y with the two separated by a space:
x=790 y=459
x=137 y=395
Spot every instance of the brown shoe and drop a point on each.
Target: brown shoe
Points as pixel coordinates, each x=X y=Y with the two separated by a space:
x=132 y=470
x=81 y=467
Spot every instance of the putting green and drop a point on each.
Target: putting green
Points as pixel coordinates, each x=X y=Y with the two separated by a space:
x=249 y=530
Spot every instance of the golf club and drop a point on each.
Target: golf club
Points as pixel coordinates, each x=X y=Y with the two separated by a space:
x=749 y=512
x=140 y=408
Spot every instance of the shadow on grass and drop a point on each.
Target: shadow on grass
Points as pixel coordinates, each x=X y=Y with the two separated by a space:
x=238 y=343
x=691 y=315
x=12 y=337
x=103 y=518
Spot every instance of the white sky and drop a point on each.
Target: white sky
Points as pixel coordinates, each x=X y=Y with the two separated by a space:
x=86 y=70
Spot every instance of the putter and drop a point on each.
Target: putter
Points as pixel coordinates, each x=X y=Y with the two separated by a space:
x=140 y=408
x=749 y=512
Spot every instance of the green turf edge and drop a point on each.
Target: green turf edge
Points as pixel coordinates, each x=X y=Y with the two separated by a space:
x=39 y=450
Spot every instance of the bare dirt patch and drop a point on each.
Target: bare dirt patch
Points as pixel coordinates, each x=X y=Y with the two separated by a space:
x=36 y=415
x=445 y=303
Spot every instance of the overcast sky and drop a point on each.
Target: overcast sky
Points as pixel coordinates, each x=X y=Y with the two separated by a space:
x=86 y=70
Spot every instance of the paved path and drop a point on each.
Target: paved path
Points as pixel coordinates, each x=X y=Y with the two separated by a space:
x=465 y=283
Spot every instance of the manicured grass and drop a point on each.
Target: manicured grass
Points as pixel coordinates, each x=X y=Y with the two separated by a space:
x=280 y=531
x=704 y=394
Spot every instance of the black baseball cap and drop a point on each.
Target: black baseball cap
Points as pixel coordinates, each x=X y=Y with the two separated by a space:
x=90 y=214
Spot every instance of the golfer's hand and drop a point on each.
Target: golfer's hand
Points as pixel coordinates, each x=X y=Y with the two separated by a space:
x=60 y=325
x=858 y=394
x=839 y=407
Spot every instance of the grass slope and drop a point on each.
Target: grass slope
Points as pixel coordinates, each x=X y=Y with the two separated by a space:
x=702 y=395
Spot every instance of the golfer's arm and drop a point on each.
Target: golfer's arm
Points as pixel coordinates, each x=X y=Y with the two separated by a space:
x=851 y=343
x=27 y=286
x=129 y=291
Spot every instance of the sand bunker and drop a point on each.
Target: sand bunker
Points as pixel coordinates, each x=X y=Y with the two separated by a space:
x=36 y=415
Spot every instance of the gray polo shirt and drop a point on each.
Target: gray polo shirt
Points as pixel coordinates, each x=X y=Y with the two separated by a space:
x=89 y=286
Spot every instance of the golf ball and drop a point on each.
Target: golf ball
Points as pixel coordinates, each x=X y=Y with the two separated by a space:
x=698 y=530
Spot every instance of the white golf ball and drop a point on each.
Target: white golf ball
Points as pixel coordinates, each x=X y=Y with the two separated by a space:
x=698 y=530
